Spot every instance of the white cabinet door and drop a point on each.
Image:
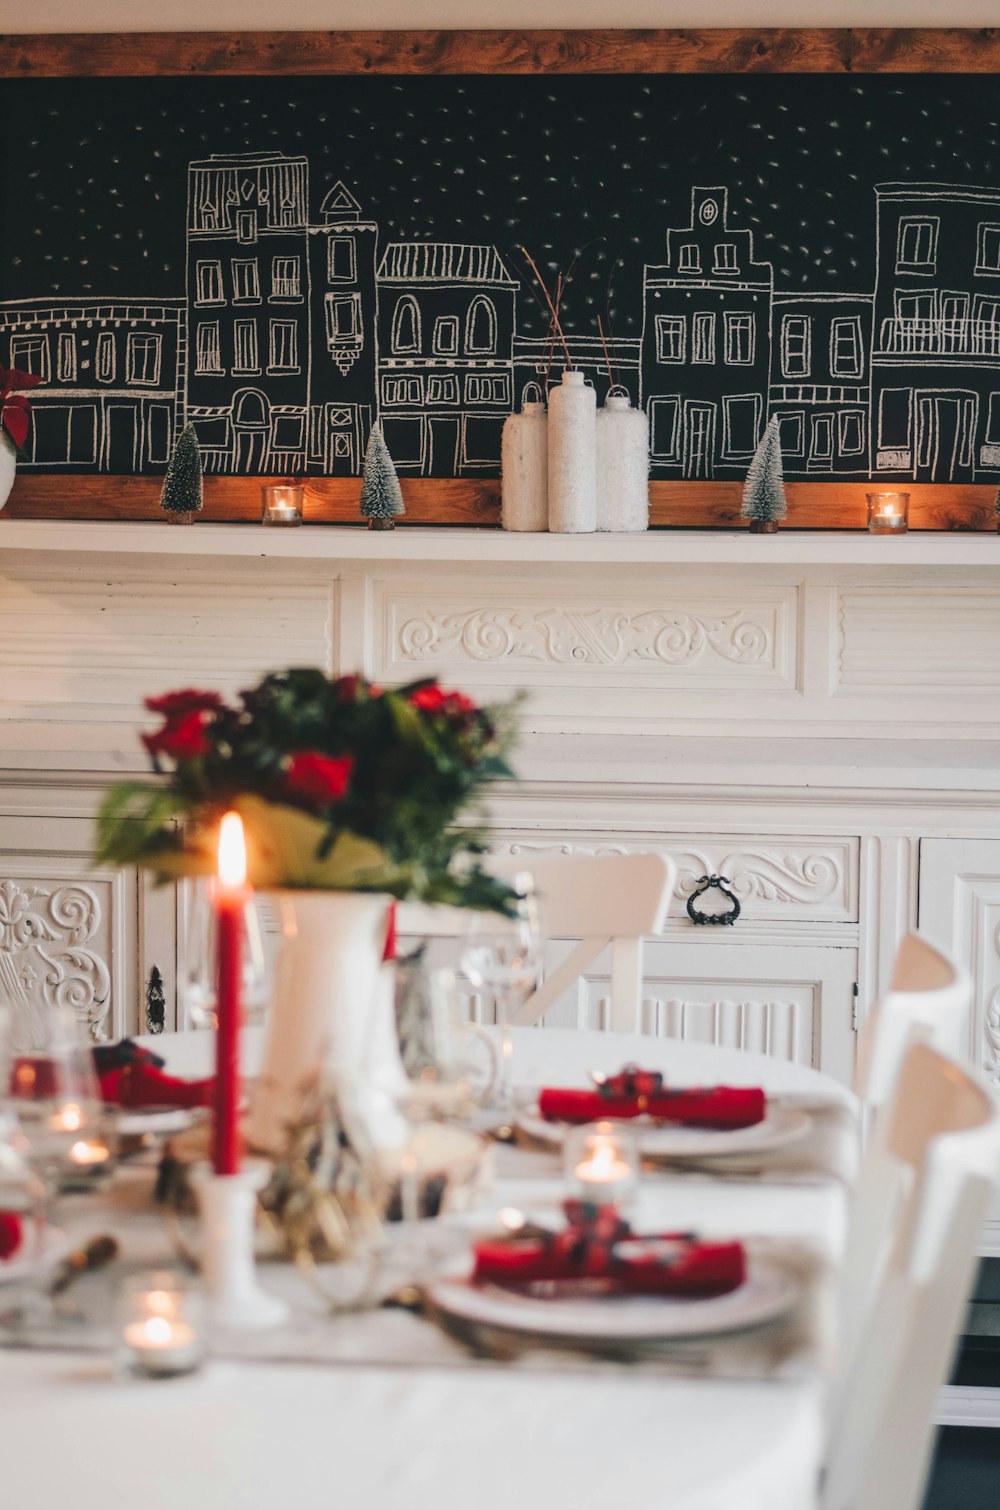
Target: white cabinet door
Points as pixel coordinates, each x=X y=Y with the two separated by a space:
x=796 y=1003
x=960 y=909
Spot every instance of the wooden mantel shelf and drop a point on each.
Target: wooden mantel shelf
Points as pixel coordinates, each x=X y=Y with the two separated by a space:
x=488 y=547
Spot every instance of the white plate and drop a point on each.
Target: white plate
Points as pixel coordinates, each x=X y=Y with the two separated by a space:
x=767 y=1292
x=35 y=1255
x=780 y=1126
x=135 y=1123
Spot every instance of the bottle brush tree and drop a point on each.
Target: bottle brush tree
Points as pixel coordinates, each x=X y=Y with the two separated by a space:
x=764 y=500
x=181 y=497
x=381 y=495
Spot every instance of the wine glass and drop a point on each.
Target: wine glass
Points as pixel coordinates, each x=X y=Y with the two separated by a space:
x=48 y=1086
x=197 y=983
x=503 y=956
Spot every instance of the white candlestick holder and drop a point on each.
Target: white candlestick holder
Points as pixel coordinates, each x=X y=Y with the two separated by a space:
x=228 y=1204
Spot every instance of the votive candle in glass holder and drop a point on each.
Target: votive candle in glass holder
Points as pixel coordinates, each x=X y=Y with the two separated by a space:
x=601 y=1163
x=161 y=1325
x=88 y=1165
x=888 y=513
x=281 y=503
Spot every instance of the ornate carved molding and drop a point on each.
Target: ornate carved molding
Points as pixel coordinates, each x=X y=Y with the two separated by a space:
x=44 y=961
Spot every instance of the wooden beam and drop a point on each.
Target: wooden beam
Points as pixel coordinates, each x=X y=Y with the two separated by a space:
x=468 y=501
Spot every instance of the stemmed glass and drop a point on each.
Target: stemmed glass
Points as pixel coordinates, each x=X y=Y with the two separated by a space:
x=196 y=986
x=503 y=957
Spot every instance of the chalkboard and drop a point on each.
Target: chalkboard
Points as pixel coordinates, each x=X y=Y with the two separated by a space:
x=283 y=261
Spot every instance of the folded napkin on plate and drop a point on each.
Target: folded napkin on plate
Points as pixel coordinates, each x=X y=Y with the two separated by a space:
x=128 y=1076
x=641 y=1093
x=598 y=1244
x=11 y=1234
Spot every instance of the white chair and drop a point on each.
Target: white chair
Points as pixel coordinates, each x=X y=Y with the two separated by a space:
x=599 y=900
x=943 y=1129
x=927 y=1002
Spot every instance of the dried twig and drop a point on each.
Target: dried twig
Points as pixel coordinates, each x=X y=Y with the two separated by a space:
x=552 y=333
x=607 y=355
x=552 y=308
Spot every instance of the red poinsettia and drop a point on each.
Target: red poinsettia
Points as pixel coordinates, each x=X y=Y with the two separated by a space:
x=186 y=714
x=435 y=699
x=317 y=780
x=188 y=700
x=14 y=407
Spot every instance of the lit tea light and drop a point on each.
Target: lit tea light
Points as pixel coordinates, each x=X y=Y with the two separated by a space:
x=601 y=1162
x=68 y=1119
x=888 y=513
x=282 y=503
x=87 y=1165
x=162 y=1333
x=87 y=1155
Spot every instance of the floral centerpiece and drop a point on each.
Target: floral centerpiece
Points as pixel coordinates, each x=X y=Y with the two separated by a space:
x=341 y=784
x=14 y=412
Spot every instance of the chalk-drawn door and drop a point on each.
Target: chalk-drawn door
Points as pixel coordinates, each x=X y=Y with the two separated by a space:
x=442 y=453
x=122 y=447
x=342 y=449
x=252 y=428
x=946 y=427
x=699 y=439
x=820 y=457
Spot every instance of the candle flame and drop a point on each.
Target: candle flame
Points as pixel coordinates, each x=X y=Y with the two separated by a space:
x=232 y=851
x=158 y=1329
x=71 y=1118
x=602 y=1160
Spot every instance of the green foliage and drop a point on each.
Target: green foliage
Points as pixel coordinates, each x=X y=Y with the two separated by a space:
x=381 y=495
x=764 y=492
x=182 y=491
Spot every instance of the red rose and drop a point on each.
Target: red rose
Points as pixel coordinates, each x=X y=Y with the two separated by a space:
x=316 y=779
x=188 y=700
x=181 y=738
x=350 y=688
x=434 y=699
x=11 y=1233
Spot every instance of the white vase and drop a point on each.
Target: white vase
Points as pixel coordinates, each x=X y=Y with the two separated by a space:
x=8 y=465
x=332 y=1022
x=622 y=466
x=572 y=465
x=524 y=487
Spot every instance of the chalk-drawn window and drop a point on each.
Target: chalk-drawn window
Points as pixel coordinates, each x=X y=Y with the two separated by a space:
x=288 y=432
x=442 y=389
x=916 y=245
x=106 y=363
x=791 y=432
x=689 y=260
x=480 y=442
x=341 y=446
x=402 y=390
x=993 y=421
x=246 y=281
x=703 y=338
x=208 y=354
x=406 y=439
x=406 y=325
x=988 y=248
x=487 y=388
x=481 y=326
x=286 y=280
x=142 y=358
x=343 y=320
x=739 y=339
x=846 y=354
x=894 y=418
x=208 y=283
x=671 y=338
x=31 y=354
x=246 y=225
x=725 y=257
x=851 y=432
x=341 y=259
x=446 y=335
x=664 y=425
x=283 y=346
x=66 y=357
x=740 y=424
x=250 y=410
x=65 y=433
x=796 y=346
x=245 y=357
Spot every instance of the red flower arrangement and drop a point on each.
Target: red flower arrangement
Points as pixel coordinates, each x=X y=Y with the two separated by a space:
x=14 y=407
x=341 y=783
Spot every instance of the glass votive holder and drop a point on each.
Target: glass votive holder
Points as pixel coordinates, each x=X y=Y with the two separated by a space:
x=888 y=513
x=161 y=1325
x=601 y=1163
x=88 y=1164
x=281 y=503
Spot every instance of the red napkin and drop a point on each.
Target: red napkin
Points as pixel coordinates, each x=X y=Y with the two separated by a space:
x=639 y=1093
x=142 y=1085
x=11 y=1234
x=598 y=1244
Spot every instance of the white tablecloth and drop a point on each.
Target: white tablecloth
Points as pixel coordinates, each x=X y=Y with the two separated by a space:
x=273 y=1436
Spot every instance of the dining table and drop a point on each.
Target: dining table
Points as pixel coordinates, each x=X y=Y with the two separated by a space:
x=382 y=1410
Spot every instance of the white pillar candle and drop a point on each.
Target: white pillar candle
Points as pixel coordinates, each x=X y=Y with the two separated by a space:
x=524 y=484
x=622 y=466
x=572 y=456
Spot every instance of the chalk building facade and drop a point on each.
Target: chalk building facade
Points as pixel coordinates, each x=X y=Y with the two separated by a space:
x=820 y=363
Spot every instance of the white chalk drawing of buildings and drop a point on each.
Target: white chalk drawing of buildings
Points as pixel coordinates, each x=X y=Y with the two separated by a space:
x=296 y=332
x=935 y=370
x=112 y=375
x=446 y=316
x=706 y=344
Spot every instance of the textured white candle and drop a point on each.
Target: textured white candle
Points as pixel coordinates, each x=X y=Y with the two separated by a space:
x=524 y=470
x=622 y=466
x=572 y=456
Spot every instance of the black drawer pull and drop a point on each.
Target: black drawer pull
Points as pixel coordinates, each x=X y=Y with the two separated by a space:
x=725 y=919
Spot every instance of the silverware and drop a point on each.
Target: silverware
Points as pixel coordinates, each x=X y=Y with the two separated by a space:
x=43 y=1304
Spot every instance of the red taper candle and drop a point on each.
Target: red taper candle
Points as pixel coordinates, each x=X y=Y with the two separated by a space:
x=230 y=902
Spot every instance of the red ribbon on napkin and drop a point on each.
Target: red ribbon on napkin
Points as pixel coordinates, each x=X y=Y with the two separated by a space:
x=11 y=1233
x=641 y=1093
x=597 y=1243
x=128 y=1076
